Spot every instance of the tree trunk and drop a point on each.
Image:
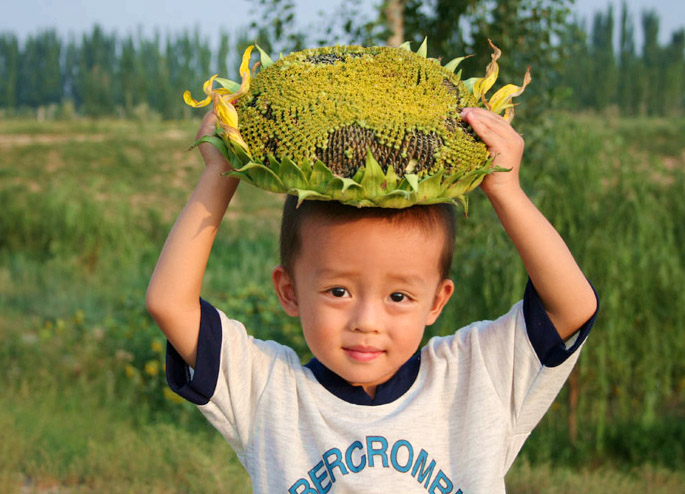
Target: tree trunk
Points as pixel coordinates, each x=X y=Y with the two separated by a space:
x=394 y=13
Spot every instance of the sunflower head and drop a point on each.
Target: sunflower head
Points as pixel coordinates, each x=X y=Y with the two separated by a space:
x=376 y=126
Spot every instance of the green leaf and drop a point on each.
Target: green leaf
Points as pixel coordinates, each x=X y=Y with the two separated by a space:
x=405 y=46
x=431 y=187
x=412 y=181
x=308 y=194
x=259 y=175
x=320 y=177
x=274 y=165
x=454 y=63
x=215 y=141
x=423 y=49
x=241 y=154
x=391 y=179
x=264 y=57
x=306 y=167
x=469 y=83
x=232 y=86
x=396 y=199
x=292 y=176
x=357 y=177
x=373 y=178
x=344 y=189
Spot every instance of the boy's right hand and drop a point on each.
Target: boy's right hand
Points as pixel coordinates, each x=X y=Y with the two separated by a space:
x=211 y=155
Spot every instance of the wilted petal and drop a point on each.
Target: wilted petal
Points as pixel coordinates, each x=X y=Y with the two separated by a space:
x=190 y=101
x=501 y=100
x=244 y=64
x=225 y=112
x=483 y=85
x=227 y=116
x=245 y=74
x=206 y=88
x=234 y=136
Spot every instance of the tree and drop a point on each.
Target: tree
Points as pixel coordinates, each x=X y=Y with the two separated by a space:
x=277 y=26
x=96 y=73
x=604 y=74
x=394 y=13
x=629 y=89
x=651 y=58
x=222 y=55
x=674 y=74
x=9 y=71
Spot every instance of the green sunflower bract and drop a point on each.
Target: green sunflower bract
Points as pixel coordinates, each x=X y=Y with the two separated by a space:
x=375 y=126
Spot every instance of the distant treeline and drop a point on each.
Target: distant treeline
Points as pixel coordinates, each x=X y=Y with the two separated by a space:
x=104 y=74
x=649 y=81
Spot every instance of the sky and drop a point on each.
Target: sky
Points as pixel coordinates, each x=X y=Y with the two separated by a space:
x=26 y=17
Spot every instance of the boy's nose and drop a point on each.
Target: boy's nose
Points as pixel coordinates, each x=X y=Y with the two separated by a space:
x=367 y=318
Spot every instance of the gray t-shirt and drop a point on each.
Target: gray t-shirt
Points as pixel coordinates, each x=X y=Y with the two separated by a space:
x=456 y=429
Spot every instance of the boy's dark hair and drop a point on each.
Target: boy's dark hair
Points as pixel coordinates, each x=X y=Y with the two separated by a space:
x=429 y=217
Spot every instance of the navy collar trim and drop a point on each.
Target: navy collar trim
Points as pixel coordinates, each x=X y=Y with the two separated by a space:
x=387 y=392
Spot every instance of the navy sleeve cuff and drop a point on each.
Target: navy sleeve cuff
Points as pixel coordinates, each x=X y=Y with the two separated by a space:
x=548 y=345
x=200 y=388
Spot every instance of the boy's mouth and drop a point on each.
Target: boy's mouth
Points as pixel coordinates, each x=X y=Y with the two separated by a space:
x=362 y=353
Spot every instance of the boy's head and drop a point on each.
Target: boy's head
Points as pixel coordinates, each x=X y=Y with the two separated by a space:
x=436 y=220
x=364 y=282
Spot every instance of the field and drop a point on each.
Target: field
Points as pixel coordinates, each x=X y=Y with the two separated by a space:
x=86 y=206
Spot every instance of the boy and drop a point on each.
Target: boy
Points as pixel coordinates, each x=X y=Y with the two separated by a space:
x=368 y=414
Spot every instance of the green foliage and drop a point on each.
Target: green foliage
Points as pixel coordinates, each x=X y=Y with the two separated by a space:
x=103 y=74
x=86 y=207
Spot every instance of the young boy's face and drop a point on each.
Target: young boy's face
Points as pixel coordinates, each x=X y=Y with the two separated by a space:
x=364 y=291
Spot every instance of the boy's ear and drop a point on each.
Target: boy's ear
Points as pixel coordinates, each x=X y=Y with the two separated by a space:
x=285 y=290
x=442 y=295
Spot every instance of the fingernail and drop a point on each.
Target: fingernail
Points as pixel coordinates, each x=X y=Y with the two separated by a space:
x=464 y=112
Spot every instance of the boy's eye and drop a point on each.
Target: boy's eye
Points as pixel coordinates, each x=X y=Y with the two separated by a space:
x=338 y=292
x=397 y=297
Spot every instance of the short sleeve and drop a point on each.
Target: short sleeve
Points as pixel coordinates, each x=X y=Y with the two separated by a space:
x=200 y=388
x=232 y=371
x=549 y=347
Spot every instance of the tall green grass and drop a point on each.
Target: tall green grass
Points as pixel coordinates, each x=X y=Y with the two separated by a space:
x=85 y=210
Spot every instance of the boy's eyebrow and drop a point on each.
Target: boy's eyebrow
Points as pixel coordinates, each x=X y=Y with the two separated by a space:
x=409 y=279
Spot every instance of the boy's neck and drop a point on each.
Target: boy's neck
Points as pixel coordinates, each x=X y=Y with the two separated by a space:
x=384 y=393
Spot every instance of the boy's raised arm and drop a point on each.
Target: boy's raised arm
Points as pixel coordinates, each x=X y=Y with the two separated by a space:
x=566 y=294
x=173 y=295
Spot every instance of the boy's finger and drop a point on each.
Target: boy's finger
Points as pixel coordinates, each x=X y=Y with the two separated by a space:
x=207 y=126
x=486 y=124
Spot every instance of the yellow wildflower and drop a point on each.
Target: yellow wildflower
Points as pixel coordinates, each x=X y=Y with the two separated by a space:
x=152 y=368
x=171 y=396
x=130 y=371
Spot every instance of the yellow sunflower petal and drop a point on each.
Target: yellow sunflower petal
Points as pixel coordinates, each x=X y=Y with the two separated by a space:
x=190 y=101
x=484 y=84
x=501 y=100
x=228 y=121
x=234 y=136
x=245 y=74
x=244 y=64
x=207 y=86
x=225 y=112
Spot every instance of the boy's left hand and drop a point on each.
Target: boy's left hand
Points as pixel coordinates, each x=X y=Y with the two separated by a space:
x=505 y=145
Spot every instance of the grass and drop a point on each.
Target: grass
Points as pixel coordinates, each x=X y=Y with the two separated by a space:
x=86 y=208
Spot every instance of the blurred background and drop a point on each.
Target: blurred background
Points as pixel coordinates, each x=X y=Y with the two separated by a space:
x=94 y=170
